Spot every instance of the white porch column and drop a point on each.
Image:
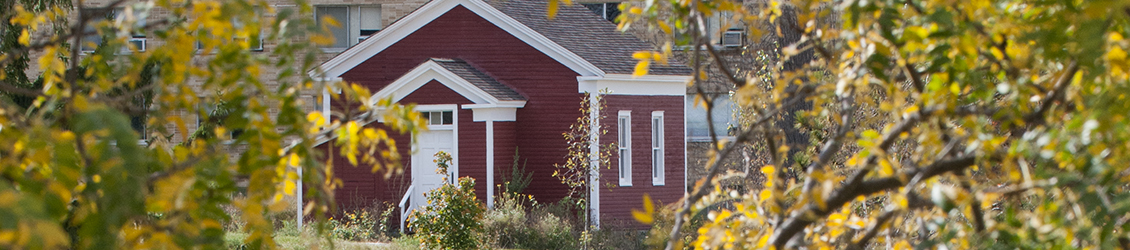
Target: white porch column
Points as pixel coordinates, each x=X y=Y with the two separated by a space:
x=490 y=164
x=491 y=114
x=594 y=159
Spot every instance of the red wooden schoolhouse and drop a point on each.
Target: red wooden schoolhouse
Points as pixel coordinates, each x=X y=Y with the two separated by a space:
x=497 y=77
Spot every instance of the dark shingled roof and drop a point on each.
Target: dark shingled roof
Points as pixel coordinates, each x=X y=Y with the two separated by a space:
x=581 y=31
x=479 y=79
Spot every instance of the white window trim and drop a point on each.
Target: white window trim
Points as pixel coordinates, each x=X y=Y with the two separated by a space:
x=624 y=135
x=454 y=127
x=658 y=143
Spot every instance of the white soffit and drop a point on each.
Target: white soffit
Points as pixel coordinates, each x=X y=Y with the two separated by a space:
x=621 y=84
x=417 y=19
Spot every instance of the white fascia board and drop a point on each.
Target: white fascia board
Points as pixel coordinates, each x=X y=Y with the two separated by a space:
x=493 y=114
x=327 y=79
x=620 y=84
x=500 y=104
x=434 y=9
x=427 y=72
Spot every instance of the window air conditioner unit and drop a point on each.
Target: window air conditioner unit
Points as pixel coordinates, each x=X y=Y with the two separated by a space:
x=733 y=38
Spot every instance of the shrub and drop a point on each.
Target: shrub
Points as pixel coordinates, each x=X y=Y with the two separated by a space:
x=518 y=179
x=511 y=224
x=355 y=225
x=452 y=221
x=365 y=223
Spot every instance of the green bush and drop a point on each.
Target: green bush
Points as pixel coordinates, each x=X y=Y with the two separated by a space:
x=452 y=221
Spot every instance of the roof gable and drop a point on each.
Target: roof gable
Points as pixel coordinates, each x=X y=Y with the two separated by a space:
x=457 y=76
x=479 y=79
x=409 y=24
x=589 y=36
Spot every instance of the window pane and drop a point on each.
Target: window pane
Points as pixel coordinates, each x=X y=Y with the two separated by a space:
x=447 y=117
x=340 y=33
x=93 y=40
x=697 y=129
x=426 y=115
x=623 y=126
x=370 y=18
x=436 y=118
x=611 y=11
x=658 y=162
x=623 y=162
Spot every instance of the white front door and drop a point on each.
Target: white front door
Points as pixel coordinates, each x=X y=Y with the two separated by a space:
x=440 y=137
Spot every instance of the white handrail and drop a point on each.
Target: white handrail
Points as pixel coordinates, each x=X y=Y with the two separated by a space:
x=402 y=208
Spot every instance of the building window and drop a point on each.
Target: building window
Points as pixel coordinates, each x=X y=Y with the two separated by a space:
x=725 y=30
x=356 y=23
x=117 y=15
x=724 y=118
x=608 y=11
x=624 y=123
x=211 y=116
x=370 y=22
x=657 y=141
x=438 y=117
x=254 y=39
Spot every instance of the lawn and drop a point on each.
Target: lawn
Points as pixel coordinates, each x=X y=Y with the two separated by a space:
x=304 y=241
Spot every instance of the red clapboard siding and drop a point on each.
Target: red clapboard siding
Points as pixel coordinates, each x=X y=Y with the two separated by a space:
x=617 y=203
x=550 y=87
x=505 y=141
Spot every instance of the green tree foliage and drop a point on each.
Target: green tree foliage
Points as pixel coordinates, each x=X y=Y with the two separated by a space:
x=96 y=152
x=453 y=217
x=963 y=124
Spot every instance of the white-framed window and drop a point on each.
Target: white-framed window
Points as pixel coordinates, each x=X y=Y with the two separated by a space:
x=254 y=40
x=725 y=30
x=116 y=16
x=624 y=132
x=609 y=11
x=657 y=141
x=724 y=117
x=356 y=23
x=435 y=118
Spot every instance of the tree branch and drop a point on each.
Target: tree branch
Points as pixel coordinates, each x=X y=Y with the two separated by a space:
x=716 y=166
x=1056 y=94
x=800 y=219
x=873 y=230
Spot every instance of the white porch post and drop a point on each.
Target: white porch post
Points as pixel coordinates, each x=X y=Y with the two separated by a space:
x=594 y=159
x=299 y=196
x=491 y=114
x=490 y=164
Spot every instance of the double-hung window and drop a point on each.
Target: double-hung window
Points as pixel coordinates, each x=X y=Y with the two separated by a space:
x=657 y=158
x=624 y=124
x=355 y=23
